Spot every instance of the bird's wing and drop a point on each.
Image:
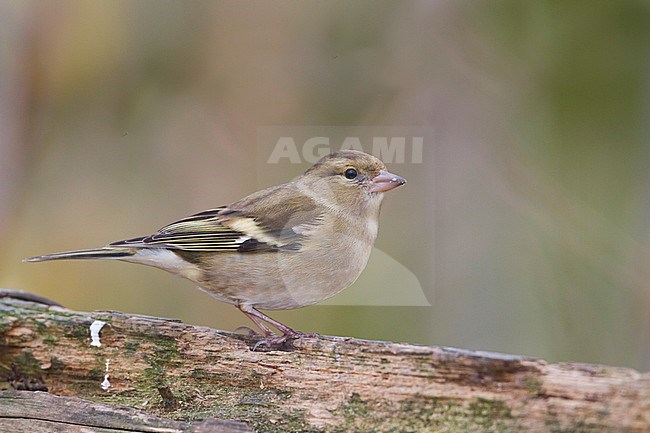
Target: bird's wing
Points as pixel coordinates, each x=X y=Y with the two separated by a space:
x=270 y=220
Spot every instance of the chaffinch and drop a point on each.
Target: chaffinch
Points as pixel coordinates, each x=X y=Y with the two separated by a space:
x=284 y=247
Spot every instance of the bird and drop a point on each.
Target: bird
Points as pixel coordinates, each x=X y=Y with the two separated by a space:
x=284 y=247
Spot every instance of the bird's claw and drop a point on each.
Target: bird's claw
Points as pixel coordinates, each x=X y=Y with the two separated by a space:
x=281 y=339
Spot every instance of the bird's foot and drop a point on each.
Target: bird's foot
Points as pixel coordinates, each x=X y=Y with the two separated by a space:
x=282 y=339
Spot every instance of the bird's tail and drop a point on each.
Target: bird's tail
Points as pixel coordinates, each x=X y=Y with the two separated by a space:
x=92 y=254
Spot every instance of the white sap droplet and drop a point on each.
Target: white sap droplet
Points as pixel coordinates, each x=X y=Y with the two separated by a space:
x=106 y=384
x=96 y=326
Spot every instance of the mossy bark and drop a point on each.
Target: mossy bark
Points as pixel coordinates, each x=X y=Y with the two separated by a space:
x=181 y=372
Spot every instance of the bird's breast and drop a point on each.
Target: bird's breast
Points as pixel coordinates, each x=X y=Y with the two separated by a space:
x=331 y=257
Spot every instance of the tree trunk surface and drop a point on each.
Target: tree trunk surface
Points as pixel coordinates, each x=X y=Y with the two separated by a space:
x=104 y=371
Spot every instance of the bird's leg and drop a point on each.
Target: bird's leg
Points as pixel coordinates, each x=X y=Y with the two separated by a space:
x=260 y=324
x=259 y=318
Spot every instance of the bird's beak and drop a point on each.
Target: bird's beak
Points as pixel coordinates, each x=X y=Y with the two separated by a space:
x=386 y=181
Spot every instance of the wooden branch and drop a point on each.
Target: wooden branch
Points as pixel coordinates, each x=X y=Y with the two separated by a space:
x=176 y=371
x=29 y=412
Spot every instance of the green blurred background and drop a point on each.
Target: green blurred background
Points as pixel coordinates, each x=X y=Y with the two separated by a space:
x=526 y=225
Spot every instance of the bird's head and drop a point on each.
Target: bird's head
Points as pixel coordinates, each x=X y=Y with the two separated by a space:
x=352 y=177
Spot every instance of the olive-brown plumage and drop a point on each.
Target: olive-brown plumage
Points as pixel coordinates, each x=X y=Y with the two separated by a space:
x=283 y=247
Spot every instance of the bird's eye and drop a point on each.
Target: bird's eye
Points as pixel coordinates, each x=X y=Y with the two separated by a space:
x=350 y=173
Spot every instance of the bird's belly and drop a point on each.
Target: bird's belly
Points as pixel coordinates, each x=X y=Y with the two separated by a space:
x=284 y=280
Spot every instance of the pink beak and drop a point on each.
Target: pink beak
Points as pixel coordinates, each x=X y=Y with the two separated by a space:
x=386 y=181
